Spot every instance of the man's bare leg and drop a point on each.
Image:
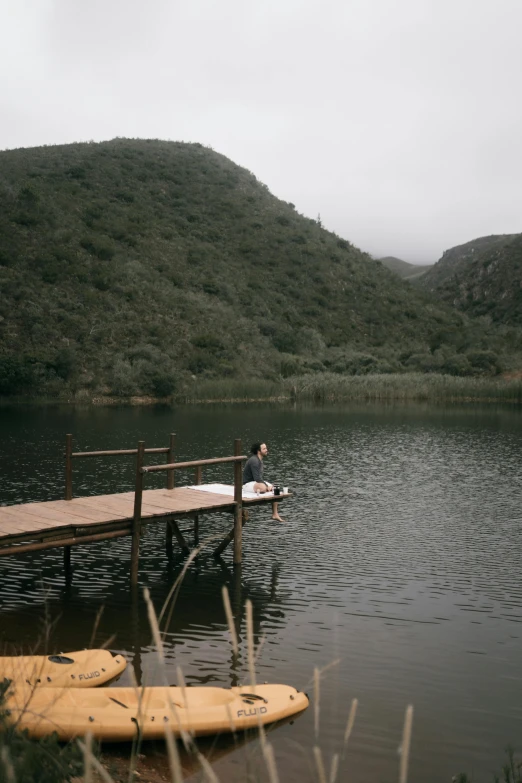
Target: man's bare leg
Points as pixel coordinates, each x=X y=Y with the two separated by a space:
x=275 y=513
x=262 y=488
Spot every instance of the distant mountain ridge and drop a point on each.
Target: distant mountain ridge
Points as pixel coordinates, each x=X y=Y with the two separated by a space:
x=404 y=269
x=481 y=277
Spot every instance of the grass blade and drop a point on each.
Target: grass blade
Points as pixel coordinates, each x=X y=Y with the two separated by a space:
x=405 y=746
x=230 y=619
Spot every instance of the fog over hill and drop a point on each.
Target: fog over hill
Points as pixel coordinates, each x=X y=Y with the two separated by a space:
x=403 y=268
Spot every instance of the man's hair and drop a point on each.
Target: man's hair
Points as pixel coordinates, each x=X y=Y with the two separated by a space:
x=255 y=447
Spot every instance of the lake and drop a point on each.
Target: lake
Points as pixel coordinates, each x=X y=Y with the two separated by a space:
x=398 y=571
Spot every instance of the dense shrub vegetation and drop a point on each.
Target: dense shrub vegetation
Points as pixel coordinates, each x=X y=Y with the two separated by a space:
x=140 y=267
x=481 y=278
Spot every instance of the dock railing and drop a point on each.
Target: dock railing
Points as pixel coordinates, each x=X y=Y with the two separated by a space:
x=170 y=467
x=70 y=455
x=198 y=465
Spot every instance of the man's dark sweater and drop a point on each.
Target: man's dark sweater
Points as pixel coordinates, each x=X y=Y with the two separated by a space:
x=253 y=470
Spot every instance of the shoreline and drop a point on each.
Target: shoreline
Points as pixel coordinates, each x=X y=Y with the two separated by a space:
x=316 y=389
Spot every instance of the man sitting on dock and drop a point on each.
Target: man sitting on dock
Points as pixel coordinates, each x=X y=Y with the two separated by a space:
x=253 y=475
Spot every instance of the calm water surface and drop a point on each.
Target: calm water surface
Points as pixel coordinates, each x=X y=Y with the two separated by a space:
x=401 y=560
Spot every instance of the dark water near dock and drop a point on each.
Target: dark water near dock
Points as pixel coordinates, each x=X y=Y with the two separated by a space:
x=401 y=558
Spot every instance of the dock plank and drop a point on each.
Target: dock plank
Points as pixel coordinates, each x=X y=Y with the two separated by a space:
x=27 y=521
x=9 y=528
x=77 y=509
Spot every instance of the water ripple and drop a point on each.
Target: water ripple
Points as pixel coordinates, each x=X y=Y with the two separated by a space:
x=401 y=558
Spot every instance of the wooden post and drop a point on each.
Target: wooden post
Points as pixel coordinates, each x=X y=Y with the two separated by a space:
x=67 y=564
x=135 y=634
x=168 y=540
x=136 y=522
x=199 y=478
x=68 y=467
x=68 y=496
x=218 y=551
x=170 y=460
x=238 y=499
x=179 y=537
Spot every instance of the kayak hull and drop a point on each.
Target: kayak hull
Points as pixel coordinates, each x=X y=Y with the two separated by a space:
x=122 y=714
x=79 y=669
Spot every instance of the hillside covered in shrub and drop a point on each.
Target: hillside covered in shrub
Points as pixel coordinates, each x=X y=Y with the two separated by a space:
x=482 y=278
x=134 y=267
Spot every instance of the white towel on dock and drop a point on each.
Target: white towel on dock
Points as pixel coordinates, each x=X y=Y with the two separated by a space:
x=228 y=489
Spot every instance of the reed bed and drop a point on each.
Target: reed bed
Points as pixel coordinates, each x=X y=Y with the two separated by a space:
x=332 y=387
x=230 y=390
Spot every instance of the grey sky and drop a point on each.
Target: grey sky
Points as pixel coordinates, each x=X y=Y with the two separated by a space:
x=399 y=121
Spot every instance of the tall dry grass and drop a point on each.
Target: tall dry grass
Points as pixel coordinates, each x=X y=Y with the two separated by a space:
x=334 y=387
x=429 y=387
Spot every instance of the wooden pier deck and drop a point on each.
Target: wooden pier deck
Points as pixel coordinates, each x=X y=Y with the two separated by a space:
x=29 y=527
x=81 y=517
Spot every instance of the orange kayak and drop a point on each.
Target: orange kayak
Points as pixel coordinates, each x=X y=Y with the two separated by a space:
x=80 y=669
x=120 y=714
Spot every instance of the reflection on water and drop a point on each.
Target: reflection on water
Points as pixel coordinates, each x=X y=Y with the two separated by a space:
x=401 y=559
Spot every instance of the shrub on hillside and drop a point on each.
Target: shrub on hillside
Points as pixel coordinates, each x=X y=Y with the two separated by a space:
x=17 y=374
x=162 y=383
x=484 y=362
x=122 y=381
x=355 y=363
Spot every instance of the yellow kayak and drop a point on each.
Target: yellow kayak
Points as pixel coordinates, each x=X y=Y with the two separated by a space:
x=80 y=669
x=119 y=714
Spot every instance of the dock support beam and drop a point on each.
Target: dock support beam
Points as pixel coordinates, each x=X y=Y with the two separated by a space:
x=136 y=522
x=238 y=499
x=168 y=541
x=173 y=529
x=231 y=535
x=68 y=496
x=67 y=564
x=170 y=460
x=68 y=467
x=198 y=479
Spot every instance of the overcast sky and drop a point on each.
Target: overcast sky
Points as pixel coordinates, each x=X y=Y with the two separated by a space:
x=398 y=121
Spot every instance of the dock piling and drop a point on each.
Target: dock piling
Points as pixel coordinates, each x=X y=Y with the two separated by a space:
x=238 y=499
x=136 y=522
x=168 y=540
x=170 y=460
x=67 y=564
x=68 y=496
x=198 y=479
x=68 y=467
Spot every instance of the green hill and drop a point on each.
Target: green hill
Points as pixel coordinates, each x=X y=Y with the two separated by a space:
x=482 y=277
x=132 y=267
x=404 y=269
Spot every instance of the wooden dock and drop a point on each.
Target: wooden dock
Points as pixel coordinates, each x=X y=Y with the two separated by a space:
x=29 y=527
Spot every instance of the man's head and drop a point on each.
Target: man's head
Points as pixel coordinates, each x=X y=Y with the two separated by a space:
x=259 y=449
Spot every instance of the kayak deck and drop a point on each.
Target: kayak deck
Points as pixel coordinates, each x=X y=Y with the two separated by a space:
x=78 y=669
x=119 y=714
